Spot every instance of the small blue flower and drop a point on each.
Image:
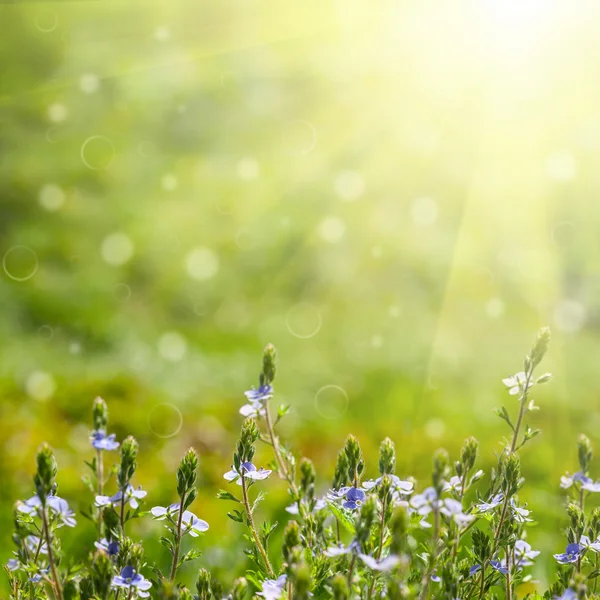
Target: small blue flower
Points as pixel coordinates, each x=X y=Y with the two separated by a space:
x=272 y=589
x=492 y=504
x=435 y=577
x=294 y=509
x=568 y=594
x=474 y=569
x=111 y=548
x=189 y=521
x=499 y=566
x=524 y=555
x=453 y=510
x=383 y=564
x=39 y=575
x=132 y=496
x=249 y=471
x=132 y=581
x=354 y=498
x=101 y=441
x=13 y=564
x=264 y=392
x=256 y=401
x=55 y=504
x=33 y=545
x=571 y=554
x=424 y=503
x=61 y=509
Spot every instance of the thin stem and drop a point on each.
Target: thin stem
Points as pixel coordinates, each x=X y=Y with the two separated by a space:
x=177 y=540
x=283 y=469
x=596 y=579
x=38 y=550
x=351 y=570
x=482 y=588
x=51 y=562
x=524 y=397
x=259 y=545
x=380 y=546
x=123 y=511
x=436 y=531
x=100 y=478
x=508 y=582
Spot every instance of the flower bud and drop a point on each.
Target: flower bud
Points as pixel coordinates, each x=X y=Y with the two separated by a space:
x=167 y=590
x=365 y=520
x=398 y=530
x=387 y=457
x=512 y=473
x=203 y=584
x=112 y=523
x=186 y=472
x=339 y=587
x=248 y=436
x=240 y=589
x=308 y=477
x=129 y=452
x=101 y=573
x=354 y=457
x=577 y=520
x=269 y=365
x=70 y=590
x=301 y=579
x=291 y=539
x=441 y=462
x=468 y=454
x=340 y=476
x=47 y=468
x=540 y=346
x=100 y=414
x=185 y=594
x=216 y=587
x=584 y=448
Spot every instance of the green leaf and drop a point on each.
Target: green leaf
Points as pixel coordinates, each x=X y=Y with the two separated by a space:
x=224 y=495
x=503 y=414
x=343 y=517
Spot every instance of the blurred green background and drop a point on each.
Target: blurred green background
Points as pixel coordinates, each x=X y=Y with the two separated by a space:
x=396 y=194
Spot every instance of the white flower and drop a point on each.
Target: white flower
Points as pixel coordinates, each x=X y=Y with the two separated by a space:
x=384 y=564
x=272 y=589
x=190 y=523
x=132 y=496
x=249 y=471
x=453 y=510
x=517 y=383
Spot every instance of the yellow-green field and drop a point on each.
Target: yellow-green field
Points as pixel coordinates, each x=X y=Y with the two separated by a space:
x=396 y=194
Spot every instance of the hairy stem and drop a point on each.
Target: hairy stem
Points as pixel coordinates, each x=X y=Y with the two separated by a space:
x=51 y=562
x=351 y=571
x=100 y=478
x=380 y=546
x=177 y=540
x=257 y=541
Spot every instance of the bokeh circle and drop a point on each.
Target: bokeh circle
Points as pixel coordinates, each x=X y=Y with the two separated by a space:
x=165 y=420
x=20 y=263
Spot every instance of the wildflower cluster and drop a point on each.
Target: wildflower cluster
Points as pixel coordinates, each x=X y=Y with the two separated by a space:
x=368 y=535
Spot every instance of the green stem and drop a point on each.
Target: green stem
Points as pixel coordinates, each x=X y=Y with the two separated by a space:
x=123 y=511
x=177 y=540
x=351 y=572
x=380 y=546
x=51 y=562
x=259 y=545
x=100 y=478
x=283 y=470
x=508 y=582
x=482 y=588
